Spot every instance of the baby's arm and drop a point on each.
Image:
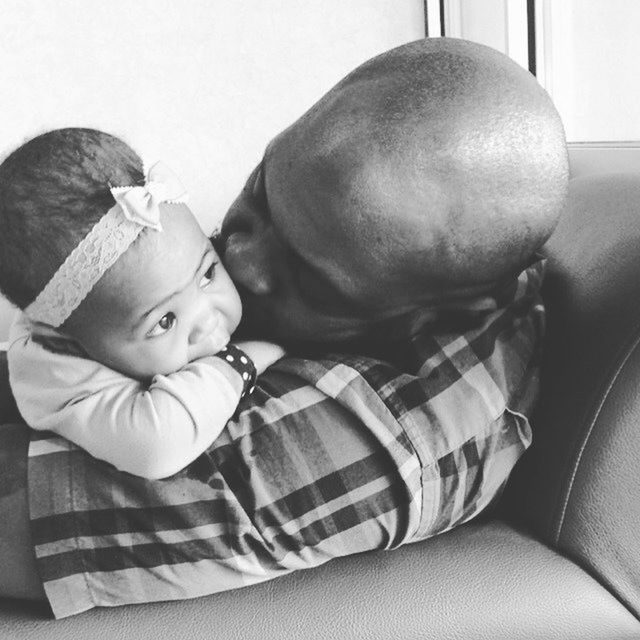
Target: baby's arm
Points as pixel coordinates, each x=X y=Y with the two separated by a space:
x=152 y=432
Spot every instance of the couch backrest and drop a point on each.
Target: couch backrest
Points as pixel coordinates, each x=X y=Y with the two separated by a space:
x=579 y=485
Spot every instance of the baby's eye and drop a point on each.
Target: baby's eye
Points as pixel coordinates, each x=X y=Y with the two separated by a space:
x=208 y=276
x=165 y=324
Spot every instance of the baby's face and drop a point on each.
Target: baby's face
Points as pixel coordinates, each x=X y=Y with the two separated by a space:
x=167 y=301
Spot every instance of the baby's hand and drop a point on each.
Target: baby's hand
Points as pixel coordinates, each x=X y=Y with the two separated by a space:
x=263 y=354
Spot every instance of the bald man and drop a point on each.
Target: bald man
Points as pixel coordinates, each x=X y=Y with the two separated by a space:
x=427 y=176
x=391 y=233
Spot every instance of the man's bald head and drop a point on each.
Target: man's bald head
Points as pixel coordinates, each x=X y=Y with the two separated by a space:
x=429 y=174
x=443 y=152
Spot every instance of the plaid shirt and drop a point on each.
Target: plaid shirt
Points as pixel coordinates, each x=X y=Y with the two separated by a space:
x=328 y=457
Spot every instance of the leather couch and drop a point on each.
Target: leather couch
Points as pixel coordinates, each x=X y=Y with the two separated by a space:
x=561 y=556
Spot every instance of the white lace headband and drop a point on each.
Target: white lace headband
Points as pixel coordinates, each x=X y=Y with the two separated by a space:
x=135 y=209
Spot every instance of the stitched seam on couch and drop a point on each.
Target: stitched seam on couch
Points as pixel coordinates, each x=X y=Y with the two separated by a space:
x=621 y=359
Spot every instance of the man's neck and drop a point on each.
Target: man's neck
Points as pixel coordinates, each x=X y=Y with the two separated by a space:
x=398 y=339
x=392 y=340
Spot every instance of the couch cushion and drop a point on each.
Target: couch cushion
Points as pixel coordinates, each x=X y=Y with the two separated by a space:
x=484 y=580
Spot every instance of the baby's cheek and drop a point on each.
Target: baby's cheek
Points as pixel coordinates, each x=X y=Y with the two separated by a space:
x=162 y=358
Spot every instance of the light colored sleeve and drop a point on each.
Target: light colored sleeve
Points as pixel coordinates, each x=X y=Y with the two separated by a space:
x=152 y=432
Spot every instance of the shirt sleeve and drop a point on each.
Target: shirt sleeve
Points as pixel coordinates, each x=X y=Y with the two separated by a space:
x=152 y=432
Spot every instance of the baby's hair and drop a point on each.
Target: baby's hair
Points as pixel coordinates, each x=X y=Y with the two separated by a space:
x=53 y=190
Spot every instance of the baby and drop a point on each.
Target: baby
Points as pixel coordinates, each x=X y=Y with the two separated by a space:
x=127 y=312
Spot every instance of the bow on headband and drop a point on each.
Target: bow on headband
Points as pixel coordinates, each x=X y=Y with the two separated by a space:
x=142 y=204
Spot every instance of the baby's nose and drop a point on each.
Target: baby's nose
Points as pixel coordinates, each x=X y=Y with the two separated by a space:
x=206 y=323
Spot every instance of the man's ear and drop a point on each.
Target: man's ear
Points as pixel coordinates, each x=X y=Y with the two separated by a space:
x=246 y=243
x=251 y=259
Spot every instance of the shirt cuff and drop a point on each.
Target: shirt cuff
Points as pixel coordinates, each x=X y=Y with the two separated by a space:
x=242 y=363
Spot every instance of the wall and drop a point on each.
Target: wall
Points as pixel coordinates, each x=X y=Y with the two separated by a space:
x=593 y=50
x=201 y=84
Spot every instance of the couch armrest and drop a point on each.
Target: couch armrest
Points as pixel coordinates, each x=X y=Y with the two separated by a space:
x=579 y=485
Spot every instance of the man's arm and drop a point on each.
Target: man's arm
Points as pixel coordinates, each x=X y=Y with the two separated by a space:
x=306 y=473
x=18 y=574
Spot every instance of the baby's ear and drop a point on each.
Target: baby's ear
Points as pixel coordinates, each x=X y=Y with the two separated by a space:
x=60 y=344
